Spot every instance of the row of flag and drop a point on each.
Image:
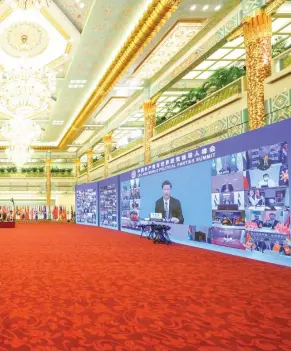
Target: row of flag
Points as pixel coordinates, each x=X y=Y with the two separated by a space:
x=40 y=212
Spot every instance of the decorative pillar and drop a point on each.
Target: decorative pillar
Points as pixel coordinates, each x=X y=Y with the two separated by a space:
x=258 y=42
x=89 y=163
x=149 y=108
x=48 y=179
x=77 y=168
x=107 y=150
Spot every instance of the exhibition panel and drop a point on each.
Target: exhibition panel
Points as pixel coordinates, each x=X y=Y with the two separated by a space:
x=87 y=204
x=109 y=203
x=234 y=193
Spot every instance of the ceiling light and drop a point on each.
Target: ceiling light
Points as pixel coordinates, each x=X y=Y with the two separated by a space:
x=205 y=7
x=193 y=7
x=58 y=123
x=20 y=133
x=80 y=3
x=25 y=90
x=217 y=7
x=73 y=81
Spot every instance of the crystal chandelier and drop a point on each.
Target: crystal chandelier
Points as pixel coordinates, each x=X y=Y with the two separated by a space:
x=25 y=91
x=26 y=4
x=20 y=133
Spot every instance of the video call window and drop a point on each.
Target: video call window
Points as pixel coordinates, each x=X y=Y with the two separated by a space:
x=267 y=198
x=266 y=219
x=265 y=156
x=227 y=183
x=275 y=176
x=228 y=218
x=229 y=164
x=231 y=199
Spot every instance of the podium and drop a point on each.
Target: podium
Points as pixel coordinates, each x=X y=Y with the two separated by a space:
x=7 y=225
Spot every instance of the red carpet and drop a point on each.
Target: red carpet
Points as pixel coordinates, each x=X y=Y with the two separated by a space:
x=67 y=287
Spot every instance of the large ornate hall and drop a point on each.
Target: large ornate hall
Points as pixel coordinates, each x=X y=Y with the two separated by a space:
x=144 y=175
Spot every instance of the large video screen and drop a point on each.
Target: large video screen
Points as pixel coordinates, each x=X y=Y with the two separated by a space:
x=239 y=200
x=108 y=203
x=87 y=204
x=170 y=188
x=233 y=194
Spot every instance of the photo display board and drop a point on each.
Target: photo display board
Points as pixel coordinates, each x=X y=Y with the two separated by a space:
x=87 y=204
x=108 y=203
x=234 y=193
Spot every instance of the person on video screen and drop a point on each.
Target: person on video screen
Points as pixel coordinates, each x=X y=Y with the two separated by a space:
x=258 y=221
x=169 y=206
x=266 y=182
x=271 y=222
x=227 y=188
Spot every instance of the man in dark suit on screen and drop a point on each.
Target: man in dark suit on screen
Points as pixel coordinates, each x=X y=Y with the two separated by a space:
x=227 y=188
x=168 y=206
x=271 y=222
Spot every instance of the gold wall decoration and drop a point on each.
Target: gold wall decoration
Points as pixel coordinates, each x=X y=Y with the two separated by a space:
x=48 y=181
x=77 y=163
x=148 y=26
x=149 y=124
x=107 y=150
x=89 y=163
x=258 y=42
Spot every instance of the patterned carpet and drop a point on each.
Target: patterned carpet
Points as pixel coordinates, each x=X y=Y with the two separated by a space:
x=66 y=287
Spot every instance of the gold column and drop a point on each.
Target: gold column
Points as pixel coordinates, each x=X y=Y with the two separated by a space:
x=89 y=163
x=107 y=150
x=149 y=108
x=48 y=181
x=257 y=37
x=77 y=163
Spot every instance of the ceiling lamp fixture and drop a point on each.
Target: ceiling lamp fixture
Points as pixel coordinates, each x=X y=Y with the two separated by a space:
x=20 y=133
x=80 y=3
x=25 y=91
x=26 y=4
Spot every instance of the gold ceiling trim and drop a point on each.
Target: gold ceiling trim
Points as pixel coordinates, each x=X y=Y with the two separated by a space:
x=38 y=148
x=273 y=6
x=55 y=23
x=200 y=21
x=68 y=48
x=56 y=62
x=5 y=14
x=151 y=22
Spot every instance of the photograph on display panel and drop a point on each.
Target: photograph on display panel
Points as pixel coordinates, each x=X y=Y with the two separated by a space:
x=108 y=200
x=130 y=204
x=86 y=206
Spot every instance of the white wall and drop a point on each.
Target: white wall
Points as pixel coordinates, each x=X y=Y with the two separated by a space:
x=65 y=200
